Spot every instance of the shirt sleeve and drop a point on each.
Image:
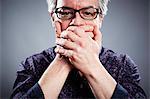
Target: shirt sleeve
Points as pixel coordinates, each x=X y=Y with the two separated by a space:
x=26 y=85
x=129 y=79
x=122 y=68
x=120 y=92
x=34 y=92
x=28 y=74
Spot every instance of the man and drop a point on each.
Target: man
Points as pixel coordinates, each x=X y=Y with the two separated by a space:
x=78 y=67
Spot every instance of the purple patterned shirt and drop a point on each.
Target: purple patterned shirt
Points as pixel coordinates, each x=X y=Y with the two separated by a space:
x=120 y=67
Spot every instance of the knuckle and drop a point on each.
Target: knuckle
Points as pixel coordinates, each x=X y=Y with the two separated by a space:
x=65 y=53
x=82 y=44
x=78 y=49
x=69 y=53
x=74 y=56
x=69 y=34
x=64 y=34
x=71 y=28
x=62 y=41
x=65 y=42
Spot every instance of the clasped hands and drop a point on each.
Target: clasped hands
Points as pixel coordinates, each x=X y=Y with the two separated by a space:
x=81 y=46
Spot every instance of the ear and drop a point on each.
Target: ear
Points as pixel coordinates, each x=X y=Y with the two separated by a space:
x=101 y=18
x=56 y=24
x=51 y=15
x=52 y=18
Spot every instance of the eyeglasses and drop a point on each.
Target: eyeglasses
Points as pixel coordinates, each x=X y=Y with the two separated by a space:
x=66 y=13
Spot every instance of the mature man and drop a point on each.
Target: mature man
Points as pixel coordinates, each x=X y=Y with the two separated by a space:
x=78 y=67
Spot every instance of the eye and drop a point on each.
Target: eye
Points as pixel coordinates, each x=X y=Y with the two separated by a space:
x=88 y=13
x=65 y=13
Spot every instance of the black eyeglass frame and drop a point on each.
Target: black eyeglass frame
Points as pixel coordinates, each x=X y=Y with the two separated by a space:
x=74 y=11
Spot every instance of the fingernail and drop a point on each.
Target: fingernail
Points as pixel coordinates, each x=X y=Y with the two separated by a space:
x=56 y=49
x=63 y=34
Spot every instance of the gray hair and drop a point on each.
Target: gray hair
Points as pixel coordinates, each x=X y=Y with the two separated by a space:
x=102 y=4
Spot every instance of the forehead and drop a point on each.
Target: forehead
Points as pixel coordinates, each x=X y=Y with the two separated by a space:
x=77 y=4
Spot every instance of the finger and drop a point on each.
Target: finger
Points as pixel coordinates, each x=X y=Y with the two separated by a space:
x=70 y=35
x=97 y=35
x=68 y=53
x=87 y=28
x=81 y=29
x=59 y=57
x=77 y=30
x=73 y=37
x=59 y=50
x=66 y=43
x=65 y=52
x=57 y=28
x=90 y=34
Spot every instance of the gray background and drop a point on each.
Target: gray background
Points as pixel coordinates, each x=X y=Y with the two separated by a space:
x=149 y=46
x=26 y=30
x=0 y=46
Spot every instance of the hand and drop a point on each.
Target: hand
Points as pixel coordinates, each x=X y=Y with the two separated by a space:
x=80 y=47
x=54 y=77
x=83 y=52
x=64 y=61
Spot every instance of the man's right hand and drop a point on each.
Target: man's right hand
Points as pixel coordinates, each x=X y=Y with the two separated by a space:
x=64 y=61
x=55 y=75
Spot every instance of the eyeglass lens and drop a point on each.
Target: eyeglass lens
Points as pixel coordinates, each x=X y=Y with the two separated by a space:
x=66 y=13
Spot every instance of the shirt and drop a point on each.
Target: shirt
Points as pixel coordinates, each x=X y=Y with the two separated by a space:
x=119 y=66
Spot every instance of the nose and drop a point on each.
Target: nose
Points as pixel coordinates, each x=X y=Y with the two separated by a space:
x=77 y=21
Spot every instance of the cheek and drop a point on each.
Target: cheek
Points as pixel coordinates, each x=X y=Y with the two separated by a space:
x=98 y=22
x=63 y=24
